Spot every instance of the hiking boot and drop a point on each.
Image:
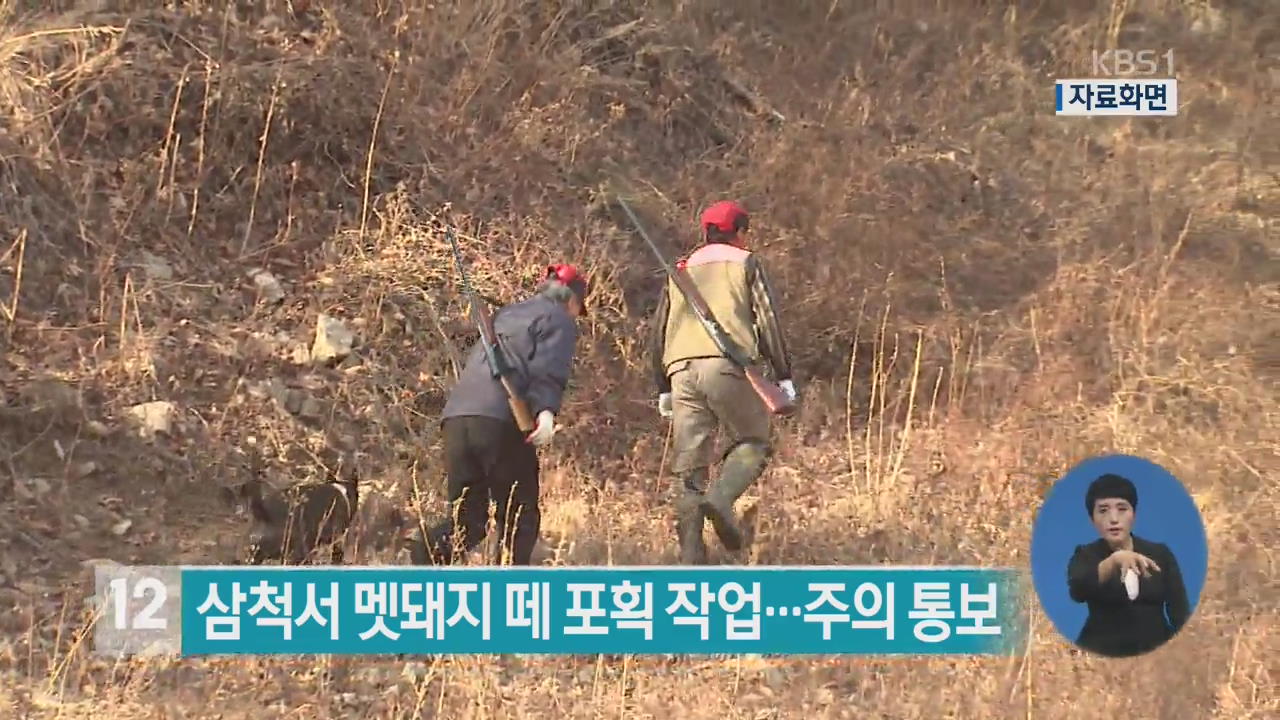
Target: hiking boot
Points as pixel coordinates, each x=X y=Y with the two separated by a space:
x=742 y=466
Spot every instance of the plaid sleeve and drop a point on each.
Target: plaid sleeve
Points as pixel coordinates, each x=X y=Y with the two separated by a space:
x=658 y=339
x=773 y=343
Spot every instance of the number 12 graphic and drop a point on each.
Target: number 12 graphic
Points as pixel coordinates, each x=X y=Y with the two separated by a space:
x=144 y=620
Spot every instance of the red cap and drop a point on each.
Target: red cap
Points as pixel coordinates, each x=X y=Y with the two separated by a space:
x=567 y=274
x=726 y=215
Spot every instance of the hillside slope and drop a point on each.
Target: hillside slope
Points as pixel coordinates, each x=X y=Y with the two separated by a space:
x=979 y=294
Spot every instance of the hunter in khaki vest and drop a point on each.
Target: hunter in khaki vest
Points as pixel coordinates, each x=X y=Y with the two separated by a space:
x=702 y=390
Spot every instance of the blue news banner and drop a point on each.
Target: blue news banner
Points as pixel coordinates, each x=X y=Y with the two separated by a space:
x=257 y=610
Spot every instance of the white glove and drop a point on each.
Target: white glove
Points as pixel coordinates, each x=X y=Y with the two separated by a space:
x=546 y=427
x=664 y=405
x=1130 y=579
x=789 y=388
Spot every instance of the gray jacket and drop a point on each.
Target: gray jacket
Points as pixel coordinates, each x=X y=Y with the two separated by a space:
x=539 y=337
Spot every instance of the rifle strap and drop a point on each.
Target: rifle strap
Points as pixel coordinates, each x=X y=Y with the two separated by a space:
x=726 y=343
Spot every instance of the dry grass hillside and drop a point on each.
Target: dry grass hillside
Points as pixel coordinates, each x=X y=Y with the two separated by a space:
x=979 y=294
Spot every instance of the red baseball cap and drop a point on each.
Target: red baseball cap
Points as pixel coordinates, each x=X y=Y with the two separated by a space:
x=569 y=275
x=726 y=216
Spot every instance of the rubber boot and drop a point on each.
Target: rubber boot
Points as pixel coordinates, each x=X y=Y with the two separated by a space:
x=689 y=516
x=742 y=466
x=689 y=522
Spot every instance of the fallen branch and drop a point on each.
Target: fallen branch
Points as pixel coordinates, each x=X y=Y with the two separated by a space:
x=752 y=100
x=455 y=357
x=11 y=312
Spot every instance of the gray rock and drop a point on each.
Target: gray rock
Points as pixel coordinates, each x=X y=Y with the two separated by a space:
x=32 y=488
x=152 y=418
x=97 y=428
x=311 y=408
x=156 y=267
x=333 y=340
x=294 y=401
x=269 y=288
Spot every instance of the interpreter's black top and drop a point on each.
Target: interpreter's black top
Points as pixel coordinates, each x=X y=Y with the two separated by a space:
x=1118 y=626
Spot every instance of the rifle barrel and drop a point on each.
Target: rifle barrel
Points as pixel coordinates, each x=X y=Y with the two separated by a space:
x=635 y=221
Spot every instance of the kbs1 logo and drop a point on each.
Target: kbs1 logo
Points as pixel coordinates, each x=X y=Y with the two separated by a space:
x=1125 y=82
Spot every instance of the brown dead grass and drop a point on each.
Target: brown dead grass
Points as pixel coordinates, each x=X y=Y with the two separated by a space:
x=979 y=294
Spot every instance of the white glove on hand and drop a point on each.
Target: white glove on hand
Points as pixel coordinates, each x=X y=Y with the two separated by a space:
x=546 y=427
x=664 y=405
x=789 y=388
x=1130 y=579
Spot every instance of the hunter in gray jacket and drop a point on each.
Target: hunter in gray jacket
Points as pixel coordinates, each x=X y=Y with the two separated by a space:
x=538 y=337
x=487 y=457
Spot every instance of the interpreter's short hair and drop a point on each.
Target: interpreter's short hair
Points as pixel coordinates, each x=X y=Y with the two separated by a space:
x=1110 y=485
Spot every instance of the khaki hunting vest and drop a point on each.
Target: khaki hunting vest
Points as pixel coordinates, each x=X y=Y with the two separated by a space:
x=719 y=271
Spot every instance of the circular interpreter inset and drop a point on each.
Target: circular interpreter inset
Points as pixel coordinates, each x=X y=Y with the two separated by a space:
x=1119 y=555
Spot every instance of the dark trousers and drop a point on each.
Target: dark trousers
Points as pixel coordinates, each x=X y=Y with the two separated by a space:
x=486 y=460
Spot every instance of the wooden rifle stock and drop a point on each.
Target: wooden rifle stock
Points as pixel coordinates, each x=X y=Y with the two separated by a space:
x=520 y=409
x=524 y=418
x=774 y=398
x=772 y=395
